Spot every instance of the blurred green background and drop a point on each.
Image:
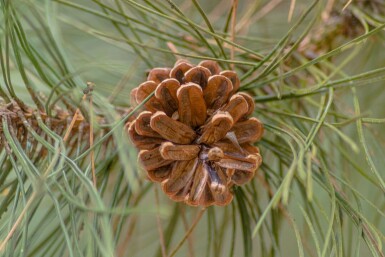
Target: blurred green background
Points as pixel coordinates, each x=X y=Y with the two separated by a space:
x=316 y=70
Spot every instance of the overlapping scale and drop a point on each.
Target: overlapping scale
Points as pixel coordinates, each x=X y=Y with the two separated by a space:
x=192 y=106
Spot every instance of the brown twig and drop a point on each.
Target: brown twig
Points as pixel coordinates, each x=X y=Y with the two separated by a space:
x=328 y=9
x=123 y=244
x=86 y=92
x=185 y=224
x=291 y=10
x=199 y=216
x=268 y=7
x=90 y=87
x=233 y=30
x=22 y=214
x=75 y=117
x=347 y=4
x=122 y=247
x=18 y=221
x=30 y=201
x=173 y=49
x=159 y=225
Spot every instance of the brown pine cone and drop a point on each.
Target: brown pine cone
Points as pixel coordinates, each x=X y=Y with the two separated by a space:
x=194 y=134
x=21 y=121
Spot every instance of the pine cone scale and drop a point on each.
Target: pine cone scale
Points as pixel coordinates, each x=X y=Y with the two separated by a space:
x=250 y=130
x=237 y=107
x=179 y=70
x=142 y=125
x=217 y=91
x=212 y=66
x=216 y=129
x=160 y=174
x=233 y=77
x=192 y=106
x=169 y=151
x=198 y=75
x=166 y=95
x=171 y=129
x=143 y=142
x=247 y=164
x=158 y=75
x=152 y=159
x=181 y=173
x=250 y=103
x=198 y=185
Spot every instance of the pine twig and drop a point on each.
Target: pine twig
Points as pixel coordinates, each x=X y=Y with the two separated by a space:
x=75 y=117
x=185 y=223
x=291 y=10
x=159 y=225
x=233 y=30
x=199 y=216
x=90 y=88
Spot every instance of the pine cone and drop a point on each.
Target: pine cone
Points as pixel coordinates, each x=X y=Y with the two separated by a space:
x=194 y=134
x=21 y=121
